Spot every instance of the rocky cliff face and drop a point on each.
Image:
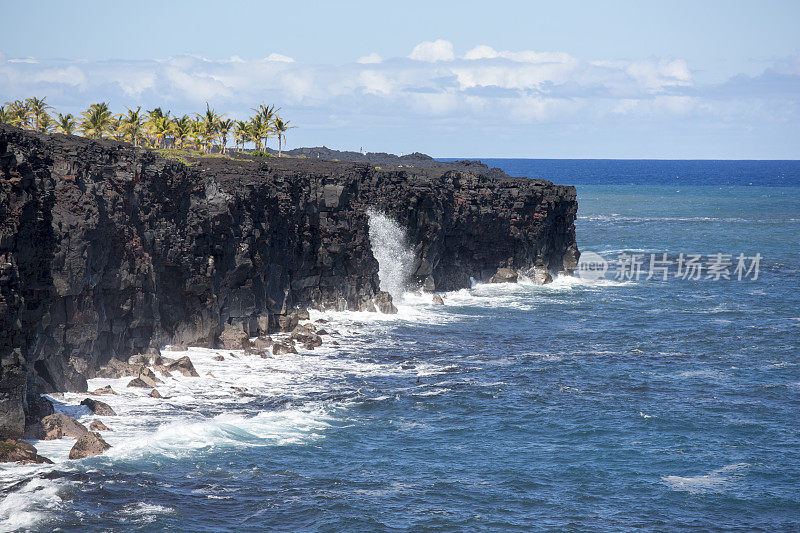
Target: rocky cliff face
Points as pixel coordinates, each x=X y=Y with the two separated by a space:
x=106 y=250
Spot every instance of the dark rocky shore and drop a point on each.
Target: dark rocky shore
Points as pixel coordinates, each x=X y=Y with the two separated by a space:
x=107 y=251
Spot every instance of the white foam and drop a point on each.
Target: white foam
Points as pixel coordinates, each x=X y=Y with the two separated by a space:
x=31 y=504
x=714 y=481
x=390 y=248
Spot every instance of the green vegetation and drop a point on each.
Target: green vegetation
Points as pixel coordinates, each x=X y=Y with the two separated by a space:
x=173 y=137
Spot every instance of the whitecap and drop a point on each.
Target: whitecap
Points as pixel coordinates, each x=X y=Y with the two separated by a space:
x=714 y=481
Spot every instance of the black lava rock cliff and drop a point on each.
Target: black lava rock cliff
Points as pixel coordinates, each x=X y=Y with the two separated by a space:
x=107 y=250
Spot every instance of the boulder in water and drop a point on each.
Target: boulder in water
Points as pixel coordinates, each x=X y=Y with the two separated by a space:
x=505 y=275
x=151 y=356
x=141 y=383
x=306 y=336
x=99 y=408
x=59 y=425
x=103 y=390
x=184 y=366
x=262 y=343
x=118 y=369
x=97 y=425
x=438 y=299
x=218 y=358
x=540 y=275
x=283 y=347
x=233 y=337
x=289 y=321
x=149 y=374
x=383 y=301
x=161 y=369
x=88 y=445
x=18 y=451
x=155 y=394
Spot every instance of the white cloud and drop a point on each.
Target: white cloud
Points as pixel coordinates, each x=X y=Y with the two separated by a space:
x=375 y=83
x=484 y=88
x=279 y=57
x=432 y=51
x=524 y=56
x=369 y=59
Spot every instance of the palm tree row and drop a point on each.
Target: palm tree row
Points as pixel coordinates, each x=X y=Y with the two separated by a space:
x=155 y=128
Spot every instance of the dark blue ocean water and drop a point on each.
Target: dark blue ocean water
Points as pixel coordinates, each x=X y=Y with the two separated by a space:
x=607 y=405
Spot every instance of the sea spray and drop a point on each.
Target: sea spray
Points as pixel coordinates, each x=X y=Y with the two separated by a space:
x=390 y=247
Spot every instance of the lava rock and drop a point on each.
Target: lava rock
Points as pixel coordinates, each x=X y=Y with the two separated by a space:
x=140 y=383
x=262 y=343
x=97 y=425
x=306 y=336
x=60 y=425
x=505 y=275
x=18 y=451
x=117 y=369
x=184 y=366
x=540 y=275
x=383 y=301
x=234 y=337
x=88 y=445
x=149 y=374
x=99 y=408
x=283 y=347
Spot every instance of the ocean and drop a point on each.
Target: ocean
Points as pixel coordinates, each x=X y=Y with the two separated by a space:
x=606 y=401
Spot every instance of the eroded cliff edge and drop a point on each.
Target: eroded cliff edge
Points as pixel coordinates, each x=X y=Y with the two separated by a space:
x=107 y=250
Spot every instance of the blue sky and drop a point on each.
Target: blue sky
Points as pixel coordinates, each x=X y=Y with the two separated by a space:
x=525 y=79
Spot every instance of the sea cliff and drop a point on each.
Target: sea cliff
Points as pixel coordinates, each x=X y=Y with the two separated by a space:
x=107 y=251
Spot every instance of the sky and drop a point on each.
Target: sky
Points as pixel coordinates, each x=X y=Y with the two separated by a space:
x=624 y=79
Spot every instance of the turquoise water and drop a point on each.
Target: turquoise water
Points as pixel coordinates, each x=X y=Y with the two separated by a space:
x=580 y=406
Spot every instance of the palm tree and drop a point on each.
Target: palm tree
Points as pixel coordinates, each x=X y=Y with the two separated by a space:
x=46 y=124
x=158 y=125
x=254 y=129
x=266 y=113
x=209 y=122
x=182 y=128
x=224 y=127
x=240 y=134
x=197 y=134
x=117 y=128
x=281 y=128
x=96 y=120
x=132 y=125
x=38 y=108
x=20 y=114
x=66 y=124
x=161 y=129
x=5 y=116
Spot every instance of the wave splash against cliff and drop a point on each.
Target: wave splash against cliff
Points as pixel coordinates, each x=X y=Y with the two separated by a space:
x=392 y=251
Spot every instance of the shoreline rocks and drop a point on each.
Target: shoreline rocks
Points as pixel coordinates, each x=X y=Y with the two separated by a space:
x=60 y=425
x=88 y=445
x=18 y=451
x=99 y=408
x=97 y=425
